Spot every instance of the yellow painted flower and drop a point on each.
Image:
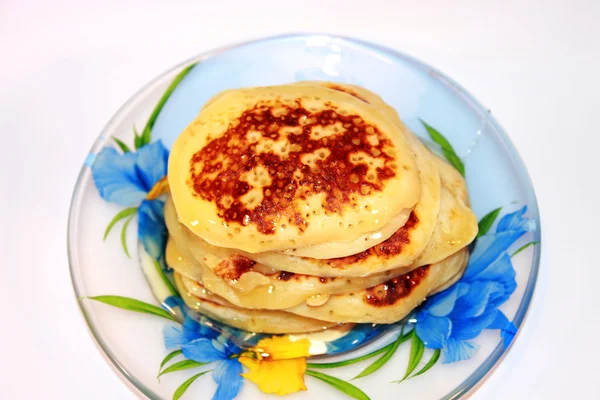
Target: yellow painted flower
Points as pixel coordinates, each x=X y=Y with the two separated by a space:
x=161 y=187
x=281 y=348
x=277 y=364
x=280 y=377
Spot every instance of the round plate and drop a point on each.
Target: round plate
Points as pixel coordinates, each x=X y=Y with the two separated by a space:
x=496 y=176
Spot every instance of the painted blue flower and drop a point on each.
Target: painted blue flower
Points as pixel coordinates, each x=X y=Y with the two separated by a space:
x=195 y=346
x=126 y=179
x=190 y=329
x=152 y=230
x=450 y=319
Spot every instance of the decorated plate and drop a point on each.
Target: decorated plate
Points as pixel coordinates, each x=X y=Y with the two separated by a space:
x=163 y=349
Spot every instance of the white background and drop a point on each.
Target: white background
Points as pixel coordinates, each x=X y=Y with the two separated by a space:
x=66 y=67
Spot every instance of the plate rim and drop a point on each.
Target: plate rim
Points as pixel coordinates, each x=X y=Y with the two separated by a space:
x=487 y=367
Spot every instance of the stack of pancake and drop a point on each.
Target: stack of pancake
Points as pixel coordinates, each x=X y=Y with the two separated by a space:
x=298 y=207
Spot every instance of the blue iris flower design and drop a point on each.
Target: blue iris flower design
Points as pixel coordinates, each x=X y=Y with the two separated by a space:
x=196 y=346
x=152 y=230
x=126 y=179
x=450 y=319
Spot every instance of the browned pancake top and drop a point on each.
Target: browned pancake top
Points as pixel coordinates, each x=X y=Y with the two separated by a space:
x=320 y=152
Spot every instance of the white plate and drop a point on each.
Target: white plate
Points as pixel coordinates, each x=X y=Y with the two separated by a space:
x=495 y=174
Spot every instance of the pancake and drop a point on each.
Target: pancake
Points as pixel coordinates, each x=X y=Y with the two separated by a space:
x=457 y=226
x=451 y=277
x=238 y=280
x=180 y=262
x=345 y=248
x=390 y=301
x=275 y=168
x=260 y=321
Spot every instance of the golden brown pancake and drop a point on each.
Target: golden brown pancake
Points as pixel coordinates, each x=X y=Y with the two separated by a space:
x=261 y=321
x=456 y=226
x=333 y=249
x=284 y=167
x=390 y=301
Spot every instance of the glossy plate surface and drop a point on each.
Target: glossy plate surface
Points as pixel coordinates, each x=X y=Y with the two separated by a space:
x=495 y=174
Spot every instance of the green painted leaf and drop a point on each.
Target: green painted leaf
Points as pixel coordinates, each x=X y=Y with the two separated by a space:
x=130 y=304
x=146 y=136
x=520 y=249
x=165 y=279
x=122 y=214
x=137 y=138
x=168 y=358
x=124 y=236
x=340 y=385
x=122 y=145
x=380 y=362
x=185 y=385
x=417 y=348
x=432 y=361
x=455 y=160
x=147 y=132
x=487 y=221
x=180 y=366
x=357 y=359
x=447 y=148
